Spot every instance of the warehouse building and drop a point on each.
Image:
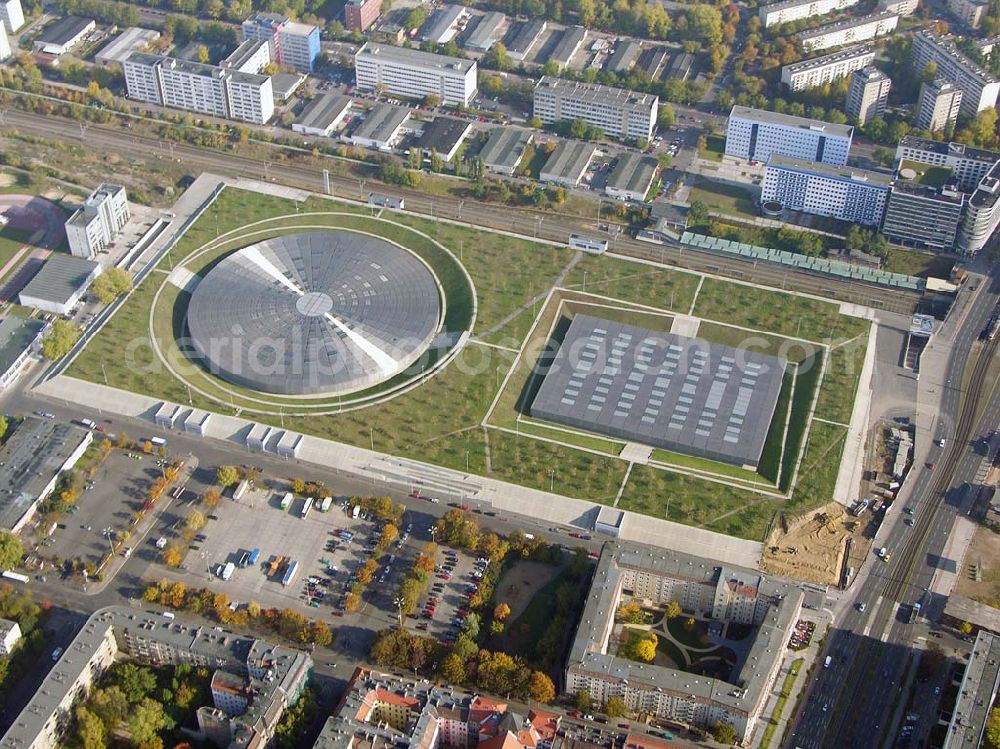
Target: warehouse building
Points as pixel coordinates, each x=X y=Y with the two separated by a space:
x=623 y=58
x=631 y=178
x=568 y=163
x=61 y=36
x=131 y=40
x=11 y=15
x=923 y=216
x=757 y=135
x=415 y=74
x=291 y=44
x=938 y=105
x=773 y=14
x=618 y=112
x=382 y=127
x=842 y=192
x=444 y=136
x=486 y=31
x=568 y=45
x=850 y=31
x=19 y=342
x=101 y=218
x=979 y=87
x=323 y=115
x=360 y=14
x=867 y=95
x=967 y=164
x=444 y=24
x=60 y=284
x=826 y=69
x=522 y=38
x=504 y=149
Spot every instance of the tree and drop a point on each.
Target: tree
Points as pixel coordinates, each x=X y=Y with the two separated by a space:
x=146 y=720
x=501 y=612
x=136 y=682
x=993 y=729
x=673 y=610
x=59 y=339
x=697 y=214
x=724 y=733
x=541 y=688
x=111 y=284
x=496 y=628
x=90 y=729
x=352 y=603
x=110 y=705
x=631 y=612
x=965 y=628
x=584 y=701
x=666 y=116
x=211 y=498
x=415 y=18
x=432 y=101
x=11 y=550
x=173 y=555
x=195 y=520
x=470 y=627
x=298 y=486
x=227 y=476
x=645 y=649
x=496 y=57
x=614 y=707
x=452 y=669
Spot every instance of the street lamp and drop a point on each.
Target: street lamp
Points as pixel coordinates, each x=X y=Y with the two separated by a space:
x=107 y=534
x=399 y=609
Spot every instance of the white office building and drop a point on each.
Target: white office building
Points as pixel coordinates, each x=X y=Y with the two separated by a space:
x=415 y=74
x=979 y=87
x=5 y=50
x=967 y=164
x=102 y=217
x=844 y=193
x=618 y=112
x=982 y=214
x=12 y=15
x=867 y=95
x=938 y=105
x=757 y=135
x=826 y=69
x=851 y=31
x=793 y=10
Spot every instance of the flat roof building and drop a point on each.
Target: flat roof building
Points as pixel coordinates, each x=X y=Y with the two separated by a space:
x=381 y=128
x=975 y=695
x=31 y=461
x=867 y=95
x=132 y=39
x=623 y=58
x=102 y=217
x=982 y=214
x=10 y=631
x=923 y=216
x=19 y=341
x=851 y=31
x=443 y=24
x=619 y=113
x=819 y=71
x=568 y=163
x=569 y=43
x=292 y=44
x=61 y=36
x=486 y=30
x=840 y=192
x=323 y=115
x=60 y=284
x=5 y=50
x=970 y=13
x=979 y=87
x=415 y=74
x=444 y=136
x=360 y=14
x=661 y=389
x=773 y=14
x=11 y=15
x=757 y=135
x=504 y=149
x=968 y=165
x=938 y=105
x=632 y=177
x=523 y=36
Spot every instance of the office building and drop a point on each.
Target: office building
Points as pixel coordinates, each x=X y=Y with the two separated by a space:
x=631 y=178
x=5 y=50
x=360 y=14
x=979 y=87
x=704 y=589
x=12 y=15
x=131 y=40
x=851 y=31
x=938 y=105
x=323 y=114
x=59 y=37
x=793 y=10
x=292 y=44
x=967 y=164
x=102 y=217
x=504 y=149
x=756 y=135
x=970 y=13
x=60 y=284
x=619 y=113
x=826 y=69
x=487 y=30
x=269 y=678
x=209 y=89
x=568 y=163
x=923 y=216
x=10 y=634
x=19 y=342
x=867 y=95
x=975 y=695
x=901 y=8
x=982 y=214
x=415 y=74
x=381 y=128
x=843 y=193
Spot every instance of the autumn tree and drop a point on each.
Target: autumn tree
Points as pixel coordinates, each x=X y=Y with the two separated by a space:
x=111 y=284
x=11 y=550
x=541 y=688
x=452 y=669
x=501 y=611
x=212 y=498
x=227 y=476
x=965 y=628
x=584 y=701
x=298 y=486
x=59 y=339
x=673 y=610
x=173 y=555
x=90 y=729
x=195 y=521
x=352 y=603
x=614 y=707
x=724 y=732
x=631 y=612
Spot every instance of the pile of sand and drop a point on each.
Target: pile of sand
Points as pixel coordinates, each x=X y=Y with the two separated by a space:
x=812 y=547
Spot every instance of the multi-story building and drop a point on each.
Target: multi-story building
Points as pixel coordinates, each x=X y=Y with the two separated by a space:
x=793 y=10
x=982 y=214
x=923 y=216
x=828 y=68
x=938 y=105
x=415 y=74
x=5 y=50
x=209 y=89
x=969 y=12
x=844 y=193
x=968 y=165
x=292 y=44
x=273 y=676
x=10 y=633
x=867 y=95
x=251 y=56
x=976 y=694
x=850 y=31
x=102 y=217
x=11 y=14
x=360 y=14
x=618 y=112
x=703 y=589
x=756 y=134
x=899 y=7
x=979 y=87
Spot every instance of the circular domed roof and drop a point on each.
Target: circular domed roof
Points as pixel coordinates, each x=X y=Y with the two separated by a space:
x=314 y=313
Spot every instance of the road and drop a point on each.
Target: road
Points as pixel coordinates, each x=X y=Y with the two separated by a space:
x=550 y=226
x=870 y=651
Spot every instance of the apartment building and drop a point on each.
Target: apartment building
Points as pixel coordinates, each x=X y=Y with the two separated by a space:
x=843 y=193
x=360 y=14
x=923 y=216
x=12 y=15
x=970 y=13
x=938 y=105
x=868 y=94
x=793 y=10
x=828 y=68
x=967 y=164
x=5 y=50
x=292 y=44
x=10 y=634
x=979 y=87
x=851 y=31
x=623 y=114
x=101 y=218
x=703 y=589
x=209 y=89
x=982 y=214
x=415 y=74
x=756 y=135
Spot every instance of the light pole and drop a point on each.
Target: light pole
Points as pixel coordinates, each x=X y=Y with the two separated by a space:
x=107 y=534
x=399 y=609
x=552 y=479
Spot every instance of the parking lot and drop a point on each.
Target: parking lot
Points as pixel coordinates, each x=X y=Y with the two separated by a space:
x=441 y=611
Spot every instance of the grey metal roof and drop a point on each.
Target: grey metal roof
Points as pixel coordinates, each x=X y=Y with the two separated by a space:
x=624 y=57
x=787 y=120
x=661 y=389
x=324 y=110
x=16 y=335
x=976 y=694
x=568 y=44
x=64 y=30
x=505 y=147
x=126 y=42
x=440 y=22
x=59 y=279
x=486 y=32
x=633 y=172
x=382 y=123
x=442 y=134
x=415 y=57
x=831 y=171
x=523 y=35
x=569 y=161
x=319 y=312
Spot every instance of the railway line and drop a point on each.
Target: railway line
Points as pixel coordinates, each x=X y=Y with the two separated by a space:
x=549 y=226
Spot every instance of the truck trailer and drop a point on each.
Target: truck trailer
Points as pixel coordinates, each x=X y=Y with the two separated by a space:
x=286 y=501
x=293 y=567
x=325 y=504
x=227 y=571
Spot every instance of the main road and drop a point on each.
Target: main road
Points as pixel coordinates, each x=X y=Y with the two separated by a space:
x=545 y=225
x=852 y=701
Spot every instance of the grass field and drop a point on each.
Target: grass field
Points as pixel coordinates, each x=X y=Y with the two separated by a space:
x=11 y=240
x=715 y=147
x=723 y=198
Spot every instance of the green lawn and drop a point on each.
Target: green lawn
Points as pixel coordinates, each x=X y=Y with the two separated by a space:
x=631 y=282
x=723 y=198
x=689 y=638
x=672 y=652
x=934 y=176
x=840 y=382
x=715 y=148
x=11 y=240
x=820 y=465
x=914 y=263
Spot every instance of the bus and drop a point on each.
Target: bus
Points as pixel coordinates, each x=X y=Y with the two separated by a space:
x=11 y=575
x=158 y=442
x=306 y=506
x=588 y=244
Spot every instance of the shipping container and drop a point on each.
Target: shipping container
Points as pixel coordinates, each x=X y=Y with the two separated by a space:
x=286 y=501
x=158 y=442
x=227 y=571
x=326 y=503
x=10 y=575
x=306 y=506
